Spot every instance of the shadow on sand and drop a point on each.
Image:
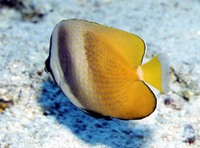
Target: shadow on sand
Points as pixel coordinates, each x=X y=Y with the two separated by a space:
x=113 y=133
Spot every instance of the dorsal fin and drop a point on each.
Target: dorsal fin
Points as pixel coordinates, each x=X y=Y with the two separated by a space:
x=129 y=46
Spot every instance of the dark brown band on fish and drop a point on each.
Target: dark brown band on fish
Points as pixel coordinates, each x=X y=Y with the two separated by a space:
x=65 y=60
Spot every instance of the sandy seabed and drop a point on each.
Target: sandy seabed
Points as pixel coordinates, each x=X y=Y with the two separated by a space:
x=43 y=117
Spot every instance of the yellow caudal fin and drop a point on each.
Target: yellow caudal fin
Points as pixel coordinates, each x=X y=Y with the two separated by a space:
x=156 y=72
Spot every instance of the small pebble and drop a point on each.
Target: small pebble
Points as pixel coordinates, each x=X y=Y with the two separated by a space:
x=170 y=102
x=5 y=104
x=189 y=134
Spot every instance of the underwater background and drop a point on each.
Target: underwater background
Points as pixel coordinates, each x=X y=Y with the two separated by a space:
x=37 y=114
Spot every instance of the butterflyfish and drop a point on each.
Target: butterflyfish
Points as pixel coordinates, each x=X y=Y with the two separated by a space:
x=100 y=70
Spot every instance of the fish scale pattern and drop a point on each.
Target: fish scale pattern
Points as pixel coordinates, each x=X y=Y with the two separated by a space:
x=110 y=73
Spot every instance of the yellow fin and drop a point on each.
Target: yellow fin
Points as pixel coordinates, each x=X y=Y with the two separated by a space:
x=132 y=101
x=156 y=72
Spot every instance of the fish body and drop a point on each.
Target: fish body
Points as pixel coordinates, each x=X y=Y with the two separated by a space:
x=100 y=69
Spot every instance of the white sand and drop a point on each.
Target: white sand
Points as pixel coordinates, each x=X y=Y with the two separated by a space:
x=43 y=117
